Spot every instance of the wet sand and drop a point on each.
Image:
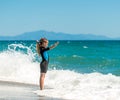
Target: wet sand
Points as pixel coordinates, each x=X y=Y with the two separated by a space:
x=19 y=91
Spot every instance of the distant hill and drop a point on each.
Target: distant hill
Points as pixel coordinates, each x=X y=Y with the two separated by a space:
x=55 y=36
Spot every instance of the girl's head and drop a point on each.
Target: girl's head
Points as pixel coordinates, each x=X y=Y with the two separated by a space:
x=43 y=42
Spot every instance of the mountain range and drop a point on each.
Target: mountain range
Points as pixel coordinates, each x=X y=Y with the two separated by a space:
x=36 y=35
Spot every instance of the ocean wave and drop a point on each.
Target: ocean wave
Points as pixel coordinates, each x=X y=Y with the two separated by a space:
x=75 y=86
x=18 y=67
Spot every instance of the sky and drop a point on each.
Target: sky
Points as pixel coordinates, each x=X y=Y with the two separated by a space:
x=98 y=17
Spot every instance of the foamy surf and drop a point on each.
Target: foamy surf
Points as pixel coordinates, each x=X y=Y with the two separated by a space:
x=16 y=66
x=76 y=86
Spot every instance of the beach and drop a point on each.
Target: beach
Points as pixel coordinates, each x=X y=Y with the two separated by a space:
x=78 y=70
x=20 y=91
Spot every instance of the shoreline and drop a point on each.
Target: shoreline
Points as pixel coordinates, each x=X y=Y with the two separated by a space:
x=20 y=91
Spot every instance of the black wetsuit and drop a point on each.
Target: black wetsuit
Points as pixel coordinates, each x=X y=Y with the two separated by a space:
x=45 y=59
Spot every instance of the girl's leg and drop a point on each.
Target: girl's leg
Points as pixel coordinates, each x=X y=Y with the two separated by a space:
x=42 y=77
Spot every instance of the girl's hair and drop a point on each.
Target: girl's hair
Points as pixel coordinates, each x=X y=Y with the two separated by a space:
x=40 y=44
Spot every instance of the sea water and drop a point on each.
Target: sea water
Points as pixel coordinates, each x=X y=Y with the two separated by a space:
x=78 y=70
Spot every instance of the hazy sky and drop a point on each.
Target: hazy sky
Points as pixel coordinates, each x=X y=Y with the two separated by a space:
x=100 y=17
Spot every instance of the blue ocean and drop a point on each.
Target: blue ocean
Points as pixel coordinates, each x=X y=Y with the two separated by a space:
x=76 y=68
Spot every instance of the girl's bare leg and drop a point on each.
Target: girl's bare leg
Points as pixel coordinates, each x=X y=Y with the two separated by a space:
x=42 y=77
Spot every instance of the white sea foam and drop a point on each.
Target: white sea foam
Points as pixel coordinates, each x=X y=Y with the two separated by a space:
x=20 y=67
x=76 y=86
x=77 y=56
x=85 y=47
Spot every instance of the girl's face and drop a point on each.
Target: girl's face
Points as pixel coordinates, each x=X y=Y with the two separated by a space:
x=45 y=44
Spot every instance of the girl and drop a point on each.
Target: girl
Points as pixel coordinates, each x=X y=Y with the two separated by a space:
x=42 y=49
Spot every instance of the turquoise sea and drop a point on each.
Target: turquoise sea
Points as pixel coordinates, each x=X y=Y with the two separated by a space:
x=77 y=66
x=79 y=56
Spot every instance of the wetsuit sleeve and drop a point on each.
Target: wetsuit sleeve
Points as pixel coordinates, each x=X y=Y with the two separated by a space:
x=46 y=49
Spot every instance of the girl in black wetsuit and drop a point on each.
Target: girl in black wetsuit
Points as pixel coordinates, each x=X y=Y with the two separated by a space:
x=42 y=49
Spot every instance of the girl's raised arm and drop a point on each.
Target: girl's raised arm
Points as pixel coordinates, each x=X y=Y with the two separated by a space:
x=54 y=45
x=38 y=47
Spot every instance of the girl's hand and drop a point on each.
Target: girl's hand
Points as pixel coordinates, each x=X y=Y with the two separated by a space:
x=37 y=41
x=56 y=43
